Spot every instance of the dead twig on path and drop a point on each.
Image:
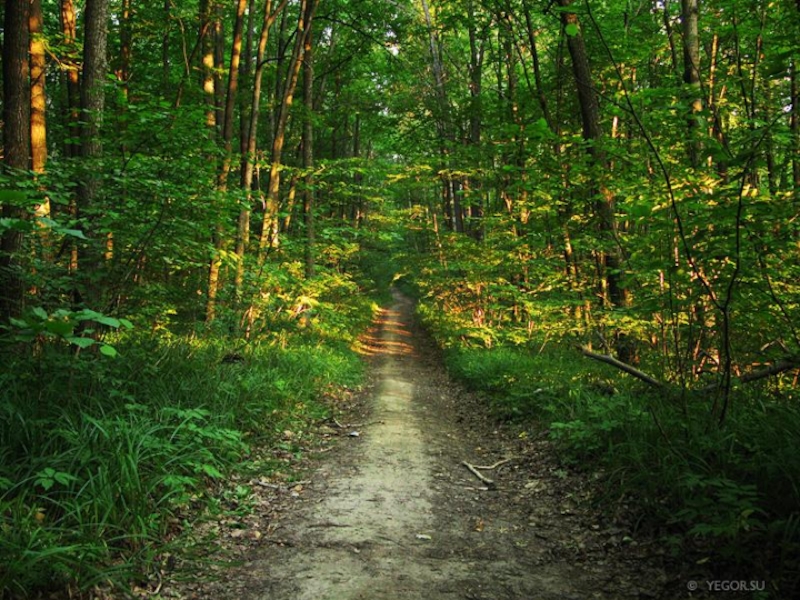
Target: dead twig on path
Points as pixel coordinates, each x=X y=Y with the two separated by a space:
x=495 y=465
x=488 y=482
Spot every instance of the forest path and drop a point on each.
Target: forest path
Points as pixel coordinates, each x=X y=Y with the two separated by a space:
x=395 y=514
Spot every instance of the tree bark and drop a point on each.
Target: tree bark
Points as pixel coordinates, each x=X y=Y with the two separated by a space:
x=16 y=147
x=38 y=66
x=691 y=77
x=604 y=204
x=93 y=96
x=269 y=231
x=308 y=154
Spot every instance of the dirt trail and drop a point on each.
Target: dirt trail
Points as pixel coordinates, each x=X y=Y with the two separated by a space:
x=395 y=515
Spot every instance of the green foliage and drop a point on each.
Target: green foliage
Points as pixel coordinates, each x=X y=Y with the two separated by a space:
x=100 y=469
x=732 y=494
x=66 y=325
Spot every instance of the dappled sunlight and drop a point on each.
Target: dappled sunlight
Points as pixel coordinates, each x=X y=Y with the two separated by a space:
x=386 y=336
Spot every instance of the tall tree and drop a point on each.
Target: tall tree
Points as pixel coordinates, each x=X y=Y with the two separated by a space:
x=308 y=153
x=16 y=148
x=93 y=100
x=38 y=94
x=690 y=14
x=603 y=197
x=269 y=231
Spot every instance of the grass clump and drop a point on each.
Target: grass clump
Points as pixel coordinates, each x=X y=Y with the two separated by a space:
x=102 y=461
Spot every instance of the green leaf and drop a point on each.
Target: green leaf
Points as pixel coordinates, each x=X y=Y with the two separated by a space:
x=107 y=350
x=12 y=197
x=81 y=342
x=110 y=321
x=572 y=30
x=59 y=328
x=39 y=312
x=74 y=233
x=212 y=471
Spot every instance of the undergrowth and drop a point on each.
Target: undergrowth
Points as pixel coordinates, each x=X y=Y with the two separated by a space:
x=101 y=458
x=727 y=497
x=107 y=457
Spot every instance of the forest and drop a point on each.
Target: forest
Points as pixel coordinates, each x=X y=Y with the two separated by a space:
x=595 y=203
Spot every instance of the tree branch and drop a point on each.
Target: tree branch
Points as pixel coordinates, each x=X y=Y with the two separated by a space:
x=622 y=367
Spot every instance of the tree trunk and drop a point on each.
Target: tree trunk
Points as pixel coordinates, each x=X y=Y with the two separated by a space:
x=691 y=77
x=218 y=237
x=93 y=84
x=16 y=147
x=72 y=81
x=249 y=155
x=269 y=231
x=72 y=102
x=308 y=154
x=604 y=205
x=474 y=188
x=38 y=94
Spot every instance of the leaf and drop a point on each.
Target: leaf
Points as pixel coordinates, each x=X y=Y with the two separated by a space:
x=74 y=233
x=59 y=328
x=107 y=350
x=572 y=30
x=81 y=342
x=12 y=197
x=39 y=312
x=110 y=321
x=212 y=471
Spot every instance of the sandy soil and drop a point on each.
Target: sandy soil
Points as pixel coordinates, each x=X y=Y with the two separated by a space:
x=392 y=512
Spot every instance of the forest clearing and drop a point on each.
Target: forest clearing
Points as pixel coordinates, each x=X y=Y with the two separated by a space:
x=481 y=298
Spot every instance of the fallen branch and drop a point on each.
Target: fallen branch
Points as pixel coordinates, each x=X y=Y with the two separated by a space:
x=787 y=364
x=779 y=367
x=623 y=367
x=488 y=482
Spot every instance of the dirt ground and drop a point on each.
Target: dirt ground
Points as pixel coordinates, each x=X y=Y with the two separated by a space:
x=390 y=511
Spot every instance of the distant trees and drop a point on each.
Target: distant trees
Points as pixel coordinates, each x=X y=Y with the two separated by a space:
x=135 y=119
x=639 y=158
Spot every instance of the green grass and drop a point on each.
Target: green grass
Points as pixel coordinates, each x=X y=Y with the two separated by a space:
x=726 y=496
x=101 y=460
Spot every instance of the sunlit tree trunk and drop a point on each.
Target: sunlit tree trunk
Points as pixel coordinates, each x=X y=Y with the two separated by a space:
x=72 y=103
x=308 y=154
x=227 y=143
x=38 y=66
x=38 y=94
x=249 y=155
x=208 y=65
x=269 y=231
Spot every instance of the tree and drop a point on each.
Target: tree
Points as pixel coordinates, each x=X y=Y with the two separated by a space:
x=92 y=97
x=269 y=231
x=16 y=150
